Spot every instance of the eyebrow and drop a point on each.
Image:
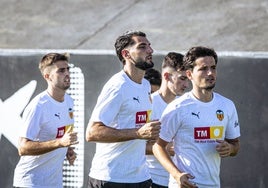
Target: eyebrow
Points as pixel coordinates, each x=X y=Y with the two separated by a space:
x=142 y=43
x=63 y=68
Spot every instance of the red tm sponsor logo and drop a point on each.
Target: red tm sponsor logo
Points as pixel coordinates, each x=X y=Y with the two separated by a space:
x=141 y=117
x=214 y=132
x=61 y=131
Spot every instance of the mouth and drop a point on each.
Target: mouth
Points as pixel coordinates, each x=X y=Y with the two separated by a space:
x=150 y=58
x=67 y=80
x=211 y=80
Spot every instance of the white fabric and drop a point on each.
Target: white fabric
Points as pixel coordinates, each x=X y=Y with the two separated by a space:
x=44 y=119
x=122 y=104
x=158 y=174
x=195 y=126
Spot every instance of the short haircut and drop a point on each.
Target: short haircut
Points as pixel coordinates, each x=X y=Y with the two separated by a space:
x=173 y=60
x=51 y=58
x=153 y=76
x=197 y=52
x=124 y=41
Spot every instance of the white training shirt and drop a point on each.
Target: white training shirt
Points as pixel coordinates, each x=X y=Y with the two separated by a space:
x=44 y=119
x=158 y=174
x=194 y=127
x=122 y=104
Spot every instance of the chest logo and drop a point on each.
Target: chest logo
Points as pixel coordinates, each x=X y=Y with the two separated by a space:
x=71 y=114
x=220 y=115
x=57 y=115
x=196 y=114
x=142 y=118
x=62 y=130
x=215 y=132
x=136 y=99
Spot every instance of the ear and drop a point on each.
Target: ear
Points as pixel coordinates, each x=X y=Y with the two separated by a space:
x=125 y=53
x=188 y=74
x=166 y=76
x=46 y=76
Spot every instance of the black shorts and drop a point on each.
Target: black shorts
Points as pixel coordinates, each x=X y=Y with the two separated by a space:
x=158 y=186
x=94 y=183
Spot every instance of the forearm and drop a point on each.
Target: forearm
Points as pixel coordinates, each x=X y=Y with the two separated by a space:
x=164 y=158
x=98 y=132
x=235 y=146
x=28 y=147
x=149 y=147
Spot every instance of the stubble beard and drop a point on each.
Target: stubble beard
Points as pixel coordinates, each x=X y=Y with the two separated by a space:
x=209 y=88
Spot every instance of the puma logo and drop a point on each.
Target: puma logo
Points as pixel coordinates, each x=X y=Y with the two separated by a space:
x=197 y=115
x=136 y=99
x=57 y=115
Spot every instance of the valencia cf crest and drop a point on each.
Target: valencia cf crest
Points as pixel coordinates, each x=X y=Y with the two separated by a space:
x=220 y=115
x=71 y=114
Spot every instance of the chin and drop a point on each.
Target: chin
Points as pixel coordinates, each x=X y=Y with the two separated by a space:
x=210 y=87
x=67 y=87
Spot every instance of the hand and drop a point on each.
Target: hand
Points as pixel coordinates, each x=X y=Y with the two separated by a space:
x=71 y=155
x=223 y=148
x=68 y=139
x=149 y=130
x=184 y=182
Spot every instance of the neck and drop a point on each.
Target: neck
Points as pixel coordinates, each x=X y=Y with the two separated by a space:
x=134 y=73
x=57 y=95
x=203 y=95
x=166 y=95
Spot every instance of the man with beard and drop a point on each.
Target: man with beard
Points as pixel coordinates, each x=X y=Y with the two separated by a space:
x=120 y=122
x=202 y=124
x=46 y=134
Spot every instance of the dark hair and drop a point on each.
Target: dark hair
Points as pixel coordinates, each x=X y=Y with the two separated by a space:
x=197 y=52
x=173 y=60
x=153 y=76
x=124 y=41
x=51 y=58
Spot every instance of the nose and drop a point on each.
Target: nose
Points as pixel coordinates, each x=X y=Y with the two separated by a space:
x=67 y=72
x=150 y=49
x=210 y=71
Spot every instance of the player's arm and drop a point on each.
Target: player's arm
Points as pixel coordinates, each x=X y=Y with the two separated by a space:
x=235 y=146
x=149 y=147
x=160 y=152
x=162 y=155
x=30 y=147
x=228 y=147
x=98 y=132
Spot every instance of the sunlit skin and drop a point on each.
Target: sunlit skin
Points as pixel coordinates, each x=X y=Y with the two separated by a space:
x=58 y=79
x=203 y=77
x=174 y=84
x=141 y=51
x=58 y=76
x=178 y=82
